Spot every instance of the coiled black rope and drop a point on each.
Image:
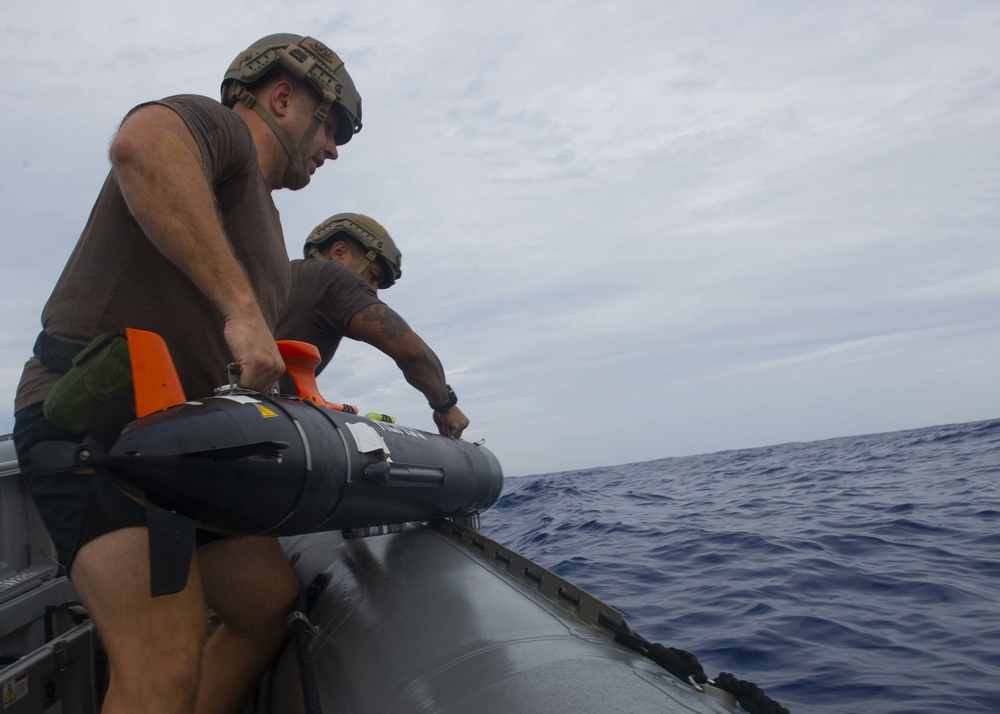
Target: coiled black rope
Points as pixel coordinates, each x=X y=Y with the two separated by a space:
x=301 y=629
x=749 y=695
x=686 y=667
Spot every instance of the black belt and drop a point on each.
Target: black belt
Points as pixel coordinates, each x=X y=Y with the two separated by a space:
x=54 y=353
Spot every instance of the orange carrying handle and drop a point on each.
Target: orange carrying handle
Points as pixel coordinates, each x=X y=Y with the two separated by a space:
x=301 y=360
x=157 y=386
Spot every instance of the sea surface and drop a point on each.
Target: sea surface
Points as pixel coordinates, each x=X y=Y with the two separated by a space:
x=859 y=574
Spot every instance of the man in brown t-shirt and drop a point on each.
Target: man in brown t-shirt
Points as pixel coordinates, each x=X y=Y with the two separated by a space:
x=184 y=240
x=348 y=257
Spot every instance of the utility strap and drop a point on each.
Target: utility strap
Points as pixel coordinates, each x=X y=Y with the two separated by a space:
x=299 y=622
x=55 y=354
x=245 y=96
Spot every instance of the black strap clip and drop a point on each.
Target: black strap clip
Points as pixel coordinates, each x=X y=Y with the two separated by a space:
x=54 y=353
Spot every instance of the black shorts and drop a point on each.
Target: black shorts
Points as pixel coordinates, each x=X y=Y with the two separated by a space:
x=75 y=508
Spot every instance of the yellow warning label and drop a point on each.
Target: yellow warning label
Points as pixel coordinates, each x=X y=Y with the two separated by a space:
x=265 y=412
x=14 y=689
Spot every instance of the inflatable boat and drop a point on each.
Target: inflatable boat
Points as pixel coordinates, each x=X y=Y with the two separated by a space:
x=434 y=618
x=410 y=609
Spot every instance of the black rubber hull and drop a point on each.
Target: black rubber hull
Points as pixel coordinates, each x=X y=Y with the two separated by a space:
x=439 y=620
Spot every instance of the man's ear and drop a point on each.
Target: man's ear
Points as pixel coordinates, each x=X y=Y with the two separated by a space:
x=281 y=97
x=339 y=251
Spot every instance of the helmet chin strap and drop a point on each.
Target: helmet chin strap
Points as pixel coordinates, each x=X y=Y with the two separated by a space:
x=369 y=257
x=296 y=175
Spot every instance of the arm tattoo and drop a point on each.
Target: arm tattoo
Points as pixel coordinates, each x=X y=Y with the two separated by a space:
x=391 y=324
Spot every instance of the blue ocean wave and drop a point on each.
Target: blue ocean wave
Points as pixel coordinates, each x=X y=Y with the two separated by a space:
x=847 y=575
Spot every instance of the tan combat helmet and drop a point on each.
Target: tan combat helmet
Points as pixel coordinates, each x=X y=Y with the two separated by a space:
x=316 y=65
x=369 y=233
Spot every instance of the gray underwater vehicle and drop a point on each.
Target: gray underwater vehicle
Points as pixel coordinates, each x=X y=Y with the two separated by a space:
x=408 y=608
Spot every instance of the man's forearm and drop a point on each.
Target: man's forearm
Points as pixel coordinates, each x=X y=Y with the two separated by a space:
x=383 y=328
x=425 y=373
x=380 y=326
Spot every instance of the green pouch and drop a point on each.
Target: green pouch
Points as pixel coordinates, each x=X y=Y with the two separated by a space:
x=100 y=371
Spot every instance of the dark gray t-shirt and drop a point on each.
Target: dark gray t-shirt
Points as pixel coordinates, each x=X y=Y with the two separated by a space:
x=325 y=295
x=116 y=278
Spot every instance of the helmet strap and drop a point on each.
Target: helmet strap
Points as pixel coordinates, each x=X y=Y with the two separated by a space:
x=369 y=257
x=296 y=176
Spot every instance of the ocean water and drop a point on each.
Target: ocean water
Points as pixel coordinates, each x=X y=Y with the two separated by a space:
x=859 y=574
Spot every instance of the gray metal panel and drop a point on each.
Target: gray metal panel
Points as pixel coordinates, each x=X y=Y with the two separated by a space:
x=25 y=546
x=28 y=582
x=32 y=605
x=14 y=553
x=417 y=623
x=57 y=677
x=8 y=456
x=24 y=541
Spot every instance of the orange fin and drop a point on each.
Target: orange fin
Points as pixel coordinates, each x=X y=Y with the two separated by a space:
x=154 y=377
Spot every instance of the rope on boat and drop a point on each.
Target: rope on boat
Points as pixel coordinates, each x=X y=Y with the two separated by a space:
x=686 y=667
x=749 y=695
x=298 y=621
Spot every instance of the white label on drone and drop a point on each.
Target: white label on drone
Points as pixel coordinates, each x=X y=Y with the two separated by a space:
x=367 y=439
x=239 y=398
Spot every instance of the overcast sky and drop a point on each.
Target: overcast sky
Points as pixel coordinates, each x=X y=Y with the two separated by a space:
x=630 y=230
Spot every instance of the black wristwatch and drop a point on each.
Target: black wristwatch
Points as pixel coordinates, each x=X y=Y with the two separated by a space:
x=452 y=401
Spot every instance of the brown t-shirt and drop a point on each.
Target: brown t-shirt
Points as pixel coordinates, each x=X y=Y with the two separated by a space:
x=116 y=278
x=325 y=295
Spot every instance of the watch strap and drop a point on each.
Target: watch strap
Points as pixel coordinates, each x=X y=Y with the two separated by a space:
x=452 y=401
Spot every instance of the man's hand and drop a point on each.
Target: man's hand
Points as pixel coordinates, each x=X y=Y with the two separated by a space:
x=452 y=423
x=255 y=352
